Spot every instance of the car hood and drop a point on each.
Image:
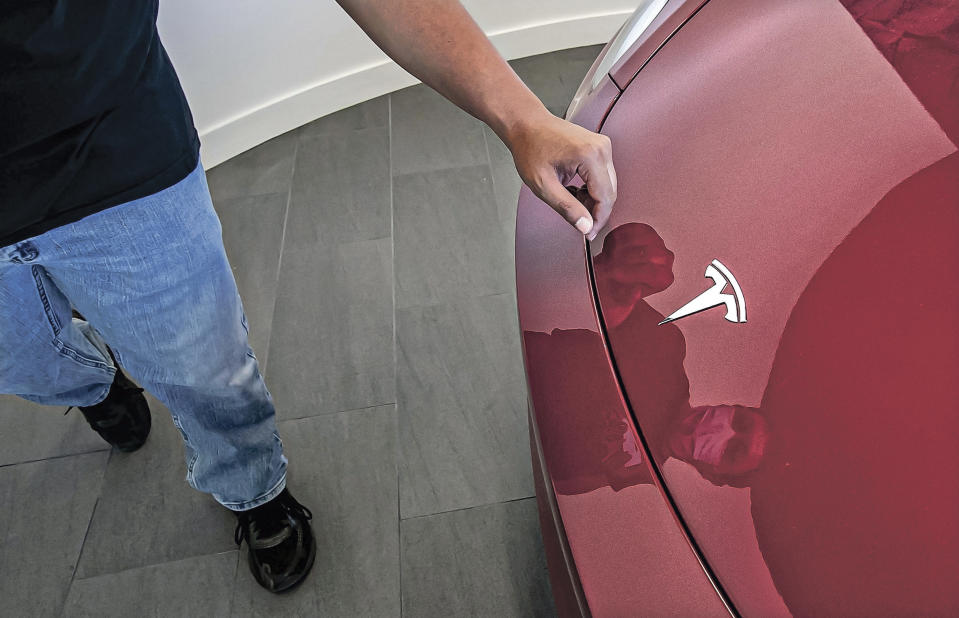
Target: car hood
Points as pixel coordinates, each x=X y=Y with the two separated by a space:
x=788 y=194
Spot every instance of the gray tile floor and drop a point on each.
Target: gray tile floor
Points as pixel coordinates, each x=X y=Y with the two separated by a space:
x=373 y=251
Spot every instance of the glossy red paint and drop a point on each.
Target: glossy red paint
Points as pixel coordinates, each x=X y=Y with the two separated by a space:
x=614 y=548
x=567 y=588
x=776 y=137
x=628 y=549
x=811 y=454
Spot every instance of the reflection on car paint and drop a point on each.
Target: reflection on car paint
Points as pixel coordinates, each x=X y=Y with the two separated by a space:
x=816 y=468
x=834 y=390
x=603 y=486
x=723 y=442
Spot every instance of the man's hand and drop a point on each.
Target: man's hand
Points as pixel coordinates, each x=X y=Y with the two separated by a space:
x=438 y=42
x=549 y=151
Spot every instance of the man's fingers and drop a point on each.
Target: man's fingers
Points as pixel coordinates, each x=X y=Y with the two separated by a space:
x=601 y=213
x=556 y=195
x=612 y=172
x=601 y=184
x=571 y=151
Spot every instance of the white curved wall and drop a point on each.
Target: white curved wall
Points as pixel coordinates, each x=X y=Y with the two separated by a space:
x=254 y=69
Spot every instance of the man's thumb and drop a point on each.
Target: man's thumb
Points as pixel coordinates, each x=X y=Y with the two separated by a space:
x=564 y=202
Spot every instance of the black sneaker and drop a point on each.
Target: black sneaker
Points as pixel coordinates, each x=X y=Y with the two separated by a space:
x=123 y=418
x=282 y=547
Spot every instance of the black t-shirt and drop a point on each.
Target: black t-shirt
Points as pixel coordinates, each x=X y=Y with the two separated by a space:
x=91 y=112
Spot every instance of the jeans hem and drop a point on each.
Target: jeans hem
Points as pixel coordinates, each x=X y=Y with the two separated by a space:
x=101 y=398
x=250 y=504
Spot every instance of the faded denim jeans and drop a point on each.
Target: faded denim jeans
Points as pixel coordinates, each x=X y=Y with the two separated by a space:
x=152 y=281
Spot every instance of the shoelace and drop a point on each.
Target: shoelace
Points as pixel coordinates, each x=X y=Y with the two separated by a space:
x=289 y=505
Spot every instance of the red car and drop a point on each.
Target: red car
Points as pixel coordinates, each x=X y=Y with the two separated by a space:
x=744 y=394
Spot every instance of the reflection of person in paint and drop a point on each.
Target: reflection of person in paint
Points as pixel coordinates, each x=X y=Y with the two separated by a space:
x=724 y=443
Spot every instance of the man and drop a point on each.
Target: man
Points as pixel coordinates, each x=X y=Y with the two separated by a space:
x=104 y=209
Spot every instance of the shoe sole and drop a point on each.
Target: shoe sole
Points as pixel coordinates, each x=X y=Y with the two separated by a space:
x=309 y=567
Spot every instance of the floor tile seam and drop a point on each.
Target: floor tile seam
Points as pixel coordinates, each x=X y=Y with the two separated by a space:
x=148 y=565
x=76 y=565
x=453 y=301
x=54 y=457
x=331 y=414
x=469 y=508
x=342 y=135
x=279 y=260
x=224 y=203
x=86 y=533
x=300 y=248
x=449 y=168
x=233 y=587
x=396 y=427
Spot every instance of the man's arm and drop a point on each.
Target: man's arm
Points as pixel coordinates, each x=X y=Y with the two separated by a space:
x=438 y=42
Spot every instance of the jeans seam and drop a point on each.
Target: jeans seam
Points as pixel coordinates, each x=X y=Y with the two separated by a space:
x=77 y=356
x=179 y=426
x=57 y=328
x=189 y=469
x=106 y=392
x=51 y=315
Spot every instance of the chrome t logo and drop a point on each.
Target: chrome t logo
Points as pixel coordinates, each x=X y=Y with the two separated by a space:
x=714 y=296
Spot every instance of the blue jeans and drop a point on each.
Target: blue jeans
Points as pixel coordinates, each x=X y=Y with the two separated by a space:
x=152 y=281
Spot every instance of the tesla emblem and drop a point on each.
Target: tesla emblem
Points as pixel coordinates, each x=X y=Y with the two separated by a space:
x=714 y=296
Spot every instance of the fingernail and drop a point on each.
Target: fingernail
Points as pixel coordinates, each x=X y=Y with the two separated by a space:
x=584 y=224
